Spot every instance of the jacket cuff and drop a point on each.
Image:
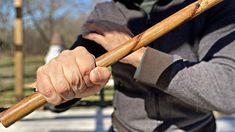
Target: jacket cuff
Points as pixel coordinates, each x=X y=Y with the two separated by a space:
x=152 y=66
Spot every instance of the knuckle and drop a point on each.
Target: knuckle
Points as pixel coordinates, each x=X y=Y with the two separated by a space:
x=40 y=70
x=85 y=70
x=111 y=34
x=62 y=90
x=53 y=61
x=65 y=53
x=81 y=49
x=52 y=65
x=74 y=81
x=93 y=37
x=46 y=92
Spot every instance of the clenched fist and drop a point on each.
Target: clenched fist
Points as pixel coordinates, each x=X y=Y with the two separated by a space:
x=72 y=74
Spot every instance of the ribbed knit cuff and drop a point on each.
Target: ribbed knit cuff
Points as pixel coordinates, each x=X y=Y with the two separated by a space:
x=152 y=65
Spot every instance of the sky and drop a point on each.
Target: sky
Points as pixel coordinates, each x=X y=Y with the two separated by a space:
x=87 y=5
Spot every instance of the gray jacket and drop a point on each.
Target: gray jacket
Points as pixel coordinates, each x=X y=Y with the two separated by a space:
x=177 y=90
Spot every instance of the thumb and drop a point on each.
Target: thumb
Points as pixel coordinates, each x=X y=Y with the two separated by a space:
x=99 y=75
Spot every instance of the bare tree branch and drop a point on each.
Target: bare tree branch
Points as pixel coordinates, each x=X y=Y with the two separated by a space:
x=36 y=23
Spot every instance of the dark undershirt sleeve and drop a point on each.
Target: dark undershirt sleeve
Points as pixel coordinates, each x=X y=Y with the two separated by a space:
x=91 y=46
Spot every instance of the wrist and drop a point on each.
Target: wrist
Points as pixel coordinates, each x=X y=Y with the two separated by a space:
x=134 y=58
x=135 y=62
x=137 y=57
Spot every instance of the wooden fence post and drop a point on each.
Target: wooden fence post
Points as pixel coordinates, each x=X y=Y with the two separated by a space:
x=18 y=41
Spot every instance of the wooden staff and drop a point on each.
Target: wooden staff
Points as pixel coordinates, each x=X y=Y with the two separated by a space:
x=19 y=56
x=34 y=101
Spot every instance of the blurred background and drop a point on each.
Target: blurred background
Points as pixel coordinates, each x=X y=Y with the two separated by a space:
x=45 y=23
x=29 y=42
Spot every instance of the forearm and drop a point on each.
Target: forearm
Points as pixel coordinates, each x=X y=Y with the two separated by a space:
x=207 y=85
x=134 y=58
x=209 y=82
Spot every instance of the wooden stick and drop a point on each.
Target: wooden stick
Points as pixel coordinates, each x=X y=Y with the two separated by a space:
x=19 y=55
x=27 y=105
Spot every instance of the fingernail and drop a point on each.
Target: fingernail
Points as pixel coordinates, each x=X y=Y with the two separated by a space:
x=97 y=75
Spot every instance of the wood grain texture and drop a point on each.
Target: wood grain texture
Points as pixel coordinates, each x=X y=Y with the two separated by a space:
x=27 y=105
x=19 y=55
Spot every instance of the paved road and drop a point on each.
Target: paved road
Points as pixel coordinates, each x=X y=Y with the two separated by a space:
x=83 y=120
x=226 y=124
x=75 y=120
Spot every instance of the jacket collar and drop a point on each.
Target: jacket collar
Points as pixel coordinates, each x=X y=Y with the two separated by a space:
x=136 y=2
x=140 y=2
x=145 y=5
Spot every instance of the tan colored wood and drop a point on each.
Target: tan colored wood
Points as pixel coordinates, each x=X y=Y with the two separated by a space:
x=24 y=107
x=36 y=100
x=19 y=56
x=18 y=3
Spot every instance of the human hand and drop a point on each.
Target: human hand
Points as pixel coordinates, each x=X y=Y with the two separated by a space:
x=70 y=75
x=111 y=35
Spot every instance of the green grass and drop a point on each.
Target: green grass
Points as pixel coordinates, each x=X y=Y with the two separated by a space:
x=7 y=70
x=31 y=63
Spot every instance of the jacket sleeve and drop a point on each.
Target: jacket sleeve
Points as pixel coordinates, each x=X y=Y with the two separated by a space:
x=208 y=83
x=91 y=46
